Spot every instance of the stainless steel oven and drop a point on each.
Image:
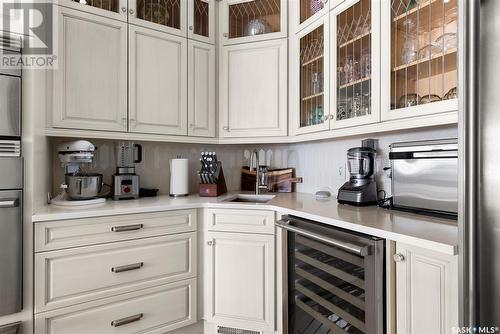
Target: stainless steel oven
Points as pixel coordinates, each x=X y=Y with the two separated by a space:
x=10 y=93
x=334 y=279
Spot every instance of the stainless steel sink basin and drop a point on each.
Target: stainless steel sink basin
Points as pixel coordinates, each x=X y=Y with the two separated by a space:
x=248 y=198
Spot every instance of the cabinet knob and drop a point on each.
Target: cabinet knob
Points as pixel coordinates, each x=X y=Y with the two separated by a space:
x=131 y=11
x=211 y=243
x=330 y=117
x=191 y=125
x=191 y=28
x=124 y=9
x=226 y=128
x=398 y=257
x=225 y=34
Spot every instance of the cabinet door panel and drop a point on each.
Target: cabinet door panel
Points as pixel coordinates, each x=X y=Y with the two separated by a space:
x=201 y=90
x=90 y=85
x=201 y=20
x=231 y=280
x=253 y=89
x=426 y=291
x=157 y=82
x=164 y=15
x=114 y=9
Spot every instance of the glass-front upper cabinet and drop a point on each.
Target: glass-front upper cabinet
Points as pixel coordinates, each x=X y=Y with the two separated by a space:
x=310 y=83
x=422 y=64
x=201 y=25
x=356 y=55
x=165 y=15
x=115 y=9
x=303 y=12
x=252 y=20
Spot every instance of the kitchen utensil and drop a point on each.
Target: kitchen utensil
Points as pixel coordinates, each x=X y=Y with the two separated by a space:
x=277 y=180
x=429 y=98
x=408 y=100
x=452 y=94
x=179 y=177
x=83 y=186
x=257 y=27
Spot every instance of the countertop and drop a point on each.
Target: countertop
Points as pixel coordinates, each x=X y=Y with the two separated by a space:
x=428 y=232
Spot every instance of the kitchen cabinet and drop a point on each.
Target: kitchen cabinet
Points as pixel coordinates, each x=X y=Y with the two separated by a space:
x=239 y=280
x=201 y=20
x=242 y=21
x=90 y=83
x=304 y=12
x=309 y=82
x=201 y=89
x=253 y=89
x=157 y=82
x=113 y=9
x=419 y=44
x=355 y=77
x=167 y=15
x=426 y=290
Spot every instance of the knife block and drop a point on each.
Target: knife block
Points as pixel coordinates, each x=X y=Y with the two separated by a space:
x=215 y=189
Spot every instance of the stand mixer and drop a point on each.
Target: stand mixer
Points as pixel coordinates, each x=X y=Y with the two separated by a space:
x=361 y=189
x=80 y=187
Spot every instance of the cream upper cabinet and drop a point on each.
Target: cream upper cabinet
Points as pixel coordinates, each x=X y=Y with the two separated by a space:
x=253 y=89
x=240 y=293
x=201 y=20
x=90 y=84
x=242 y=21
x=309 y=78
x=304 y=12
x=157 y=82
x=166 y=15
x=419 y=59
x=114 y=9
x=355 y=70
x=201 y=89
x=426 y=291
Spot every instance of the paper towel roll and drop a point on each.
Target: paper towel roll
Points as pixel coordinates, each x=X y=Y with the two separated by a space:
x=179 y=178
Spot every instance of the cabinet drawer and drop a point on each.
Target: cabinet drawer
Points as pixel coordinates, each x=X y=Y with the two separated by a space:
x=250 y=221
x=68 y=277
x=155 y=310
x=88 y=231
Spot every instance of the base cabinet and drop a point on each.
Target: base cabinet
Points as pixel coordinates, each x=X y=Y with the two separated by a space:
x=239 y=281
x=426 y=291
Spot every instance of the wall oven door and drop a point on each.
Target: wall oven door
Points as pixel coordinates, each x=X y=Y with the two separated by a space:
x=10 y=104
x=334 y=281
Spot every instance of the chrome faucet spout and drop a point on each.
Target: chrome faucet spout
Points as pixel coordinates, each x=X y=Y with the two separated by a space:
x=255 y=158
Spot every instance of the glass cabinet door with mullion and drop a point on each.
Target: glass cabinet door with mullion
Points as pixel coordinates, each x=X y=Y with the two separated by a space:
x=115 y=9
x=304 y=12
x=164 y=15
x=423 y=57
x=355 y=52
x=201 y=14
x=252 y=20
x=312 y=62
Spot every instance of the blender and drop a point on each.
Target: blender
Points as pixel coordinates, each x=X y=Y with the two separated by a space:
x=361 y=189
x=125 y=180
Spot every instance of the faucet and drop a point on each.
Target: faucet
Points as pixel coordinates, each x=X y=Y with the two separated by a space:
x=258 y=184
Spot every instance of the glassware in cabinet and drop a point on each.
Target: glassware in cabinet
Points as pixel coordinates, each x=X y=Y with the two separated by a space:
x=253 y=20
x=356 y=63
x=423 y=53
x=311 y=79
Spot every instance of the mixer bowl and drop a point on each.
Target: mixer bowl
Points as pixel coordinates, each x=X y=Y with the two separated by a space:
x=83 y=186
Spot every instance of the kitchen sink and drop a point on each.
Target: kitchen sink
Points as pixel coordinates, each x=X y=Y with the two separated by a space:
x=248 y=198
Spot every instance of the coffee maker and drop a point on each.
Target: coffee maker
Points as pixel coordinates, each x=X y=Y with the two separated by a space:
x=361 y=189
x=126 y=181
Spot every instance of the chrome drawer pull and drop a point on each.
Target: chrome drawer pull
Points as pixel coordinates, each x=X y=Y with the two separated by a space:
x=125 y=228
x=10 y=203
x=126 y=320
x=127 y=267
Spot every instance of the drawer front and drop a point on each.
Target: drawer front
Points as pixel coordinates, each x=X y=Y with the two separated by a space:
x=155 y=310
x=89 y=231
x=249 y=221
x=68 y=277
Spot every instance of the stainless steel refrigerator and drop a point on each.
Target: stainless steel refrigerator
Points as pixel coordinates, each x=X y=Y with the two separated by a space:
x=479 y=132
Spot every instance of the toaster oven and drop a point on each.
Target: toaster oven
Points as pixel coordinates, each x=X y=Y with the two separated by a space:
x=425 y=176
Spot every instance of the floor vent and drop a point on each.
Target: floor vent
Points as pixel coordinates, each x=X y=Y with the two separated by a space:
x=231 y=330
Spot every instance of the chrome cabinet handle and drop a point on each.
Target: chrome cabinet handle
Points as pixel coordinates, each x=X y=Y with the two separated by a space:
x=330 y=117
x=225 y=34
x=9 y=203
x=131 y=11
x=211 y=243
x=126 y=320
x=125 y=228
x=124 y=9
x=226 y=128
x=128 y=267
x=346 y=246
x=398 y=257
x=191 y=28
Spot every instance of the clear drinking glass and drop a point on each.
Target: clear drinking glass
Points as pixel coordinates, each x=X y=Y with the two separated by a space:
x=366 y=63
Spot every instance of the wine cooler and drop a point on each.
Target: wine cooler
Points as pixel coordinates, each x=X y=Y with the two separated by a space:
x=334 y=281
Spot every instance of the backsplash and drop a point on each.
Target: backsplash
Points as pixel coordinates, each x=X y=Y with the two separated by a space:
x=322 y=164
